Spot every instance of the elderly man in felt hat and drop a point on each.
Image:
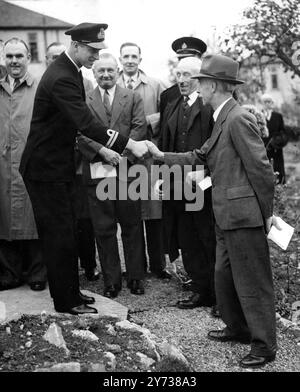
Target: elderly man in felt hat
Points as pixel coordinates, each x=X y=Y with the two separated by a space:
x=48 y=166
x=242 y=191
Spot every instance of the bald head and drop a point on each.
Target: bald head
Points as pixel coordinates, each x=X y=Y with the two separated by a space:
x=186 y=68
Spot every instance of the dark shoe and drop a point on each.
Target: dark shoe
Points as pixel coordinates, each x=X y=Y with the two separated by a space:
x=37 y=286
x=254 y=361
x=136 y=287
x=111 y=292
x=222 y=336
x=86 y=299
x=77 y=310
x=124 y=274
x=215 y=312
x=92 y=274
x=163 y=275
x=194 y=301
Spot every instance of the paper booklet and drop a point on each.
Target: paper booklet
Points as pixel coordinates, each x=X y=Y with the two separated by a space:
x=198 y=177
x=100 y=170
x=281 y=237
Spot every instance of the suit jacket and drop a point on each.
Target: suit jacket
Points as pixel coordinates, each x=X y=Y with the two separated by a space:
x=167 y=96
x=127 y=117
x=242 y=177
x=59 y=112
x=200 y=122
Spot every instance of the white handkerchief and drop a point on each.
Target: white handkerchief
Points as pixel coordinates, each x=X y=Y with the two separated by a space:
x=205 y=184
x=100 y=170
x=281 y=237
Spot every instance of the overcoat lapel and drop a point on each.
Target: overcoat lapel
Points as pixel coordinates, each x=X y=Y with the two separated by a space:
x=218 y=125
x=173 y=117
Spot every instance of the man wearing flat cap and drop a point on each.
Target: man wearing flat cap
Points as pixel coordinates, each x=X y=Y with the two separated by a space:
x=242 y=192
x=48 y=166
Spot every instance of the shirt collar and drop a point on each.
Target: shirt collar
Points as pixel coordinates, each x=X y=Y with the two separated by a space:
x=218 y=110
x=67 y=54
x=192 y=98
x=111 y=91
x=134 y=78
x=11 y=80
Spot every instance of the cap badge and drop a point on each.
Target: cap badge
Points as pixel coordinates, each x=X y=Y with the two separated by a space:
x=184 y=46
x=101 y=33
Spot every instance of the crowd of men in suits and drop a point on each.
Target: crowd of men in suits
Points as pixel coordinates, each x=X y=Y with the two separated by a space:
x=59 y=132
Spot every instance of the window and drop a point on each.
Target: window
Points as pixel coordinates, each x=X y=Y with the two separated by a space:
x=274 y=81
x=33 y=47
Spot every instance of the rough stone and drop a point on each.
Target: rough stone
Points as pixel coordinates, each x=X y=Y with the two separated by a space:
x=97 y=368
x=2 y=312
x=113 y=348
x=69 y=367
x=110 y=360
x=84 y=334
x=23 y=300
x=54 y=336
x=145 y=361
x=111 y=330
x=149 y=346
x=285 y=323
x=169 y=350
x=132 y=327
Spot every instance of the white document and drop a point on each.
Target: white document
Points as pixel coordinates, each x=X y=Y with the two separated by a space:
x=281 y=237
x=205 y=183
x=196 y=175
x=100 y=170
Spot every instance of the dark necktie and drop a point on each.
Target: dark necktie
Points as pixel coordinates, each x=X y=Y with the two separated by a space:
x=185 y=103
x=16 y=83
x=81 y=84
x=107 y=105
x=130 y=84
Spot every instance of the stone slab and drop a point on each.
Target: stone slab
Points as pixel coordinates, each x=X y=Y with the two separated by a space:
x=23 y=300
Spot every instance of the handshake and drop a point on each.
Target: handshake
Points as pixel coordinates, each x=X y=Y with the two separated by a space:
x=142 y=149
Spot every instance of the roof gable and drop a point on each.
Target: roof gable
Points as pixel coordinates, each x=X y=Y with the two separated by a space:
x=13 y=17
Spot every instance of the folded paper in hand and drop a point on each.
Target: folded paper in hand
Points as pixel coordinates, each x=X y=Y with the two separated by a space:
x=100 y=170
x=281 y=237
x=205 y=183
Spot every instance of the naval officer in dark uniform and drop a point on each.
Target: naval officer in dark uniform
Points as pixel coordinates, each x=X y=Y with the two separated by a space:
x=47 y=164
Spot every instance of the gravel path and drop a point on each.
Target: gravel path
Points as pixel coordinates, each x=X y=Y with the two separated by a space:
x=187 y=329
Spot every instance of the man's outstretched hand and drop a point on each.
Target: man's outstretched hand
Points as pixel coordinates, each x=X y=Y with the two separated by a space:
x=138 y=149
x=154 y=151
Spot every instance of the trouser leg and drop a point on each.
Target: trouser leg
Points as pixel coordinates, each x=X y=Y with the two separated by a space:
x=227 y=298
x=251 y=271
x=54 y=211
x=154 y=235
x=86 y=244
x=129 y=216
x=36 y=270
x=10 y=264
x=103 y=214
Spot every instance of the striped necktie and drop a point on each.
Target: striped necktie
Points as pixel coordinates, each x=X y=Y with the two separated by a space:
x=16 y=83
x=107 y=105
x=130 y=83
